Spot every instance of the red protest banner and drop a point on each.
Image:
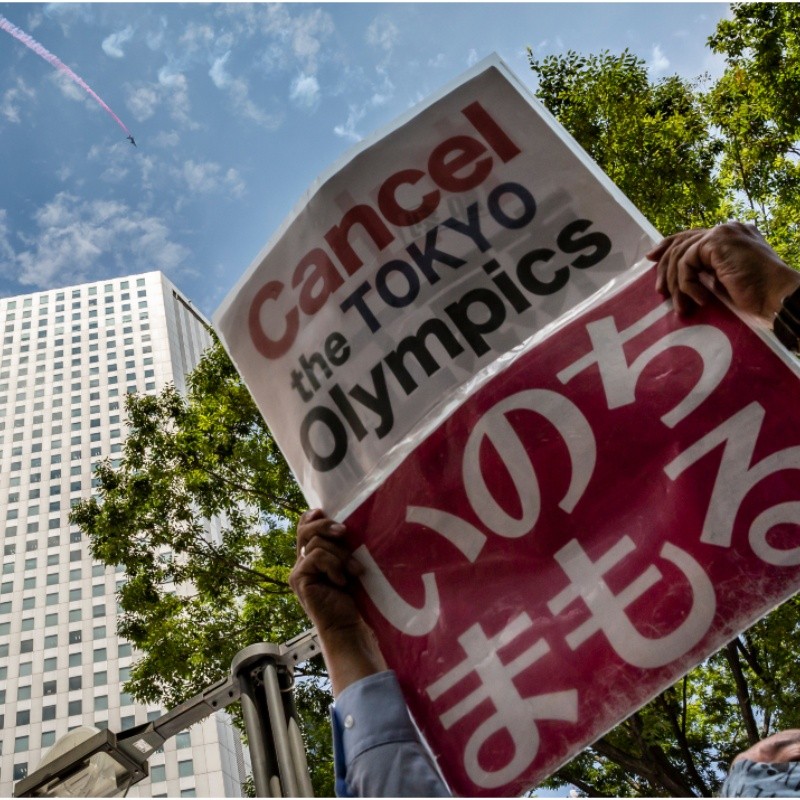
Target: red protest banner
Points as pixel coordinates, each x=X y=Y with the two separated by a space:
x=595 y=519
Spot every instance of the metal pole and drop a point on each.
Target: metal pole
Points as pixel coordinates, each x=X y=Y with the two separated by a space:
x=264 y=766
x=296 y=742
x=280 y=733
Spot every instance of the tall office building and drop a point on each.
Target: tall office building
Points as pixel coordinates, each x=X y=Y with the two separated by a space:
x=69 y=356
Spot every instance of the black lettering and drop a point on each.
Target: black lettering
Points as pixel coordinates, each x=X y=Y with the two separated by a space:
x=570 y=244
x=327 y=417
x=528 y=205
x=348 y=412
x=533 y=284
x=416 y=345
x=387 y=295
x=470 y=228
x=509 y=289
x=379 y=402
x=425 y=260
x=356 y=300
x=472 y=330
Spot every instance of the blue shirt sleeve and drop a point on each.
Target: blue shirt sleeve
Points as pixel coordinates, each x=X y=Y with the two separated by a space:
x=377 y=751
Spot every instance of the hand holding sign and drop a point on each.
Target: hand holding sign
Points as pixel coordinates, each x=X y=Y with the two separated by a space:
x=737 y=256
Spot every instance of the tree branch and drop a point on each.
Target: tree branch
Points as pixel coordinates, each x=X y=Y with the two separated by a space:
x=742 y=693
x=683 y=744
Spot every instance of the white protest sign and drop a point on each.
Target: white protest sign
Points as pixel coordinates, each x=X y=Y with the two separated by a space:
x=434 y=250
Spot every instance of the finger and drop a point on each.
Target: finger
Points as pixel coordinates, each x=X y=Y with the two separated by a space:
x=689 y=268
x=668 y=241
x=336 y=548
x=318 y=527
x=675 y=267
x=663 y=252
x=319 y=562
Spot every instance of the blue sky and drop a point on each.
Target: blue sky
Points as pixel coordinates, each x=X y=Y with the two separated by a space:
x=236 y=109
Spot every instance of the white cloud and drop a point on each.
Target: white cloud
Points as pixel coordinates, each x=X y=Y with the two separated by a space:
x=437 y=61
x=175 y=91
x=304 y=91
x=6 y=250
x=10 y=104
x=208 y=176
x=309 y=32
x=472 y=57
x=167 y=139
x=239 y=92
x=659 y=63
x=112 y=45
x=382 y=93
x=77 y=238
x=348 y=129
x=196 y=36
x=143 y=102
x=218 y=74
x=382 y=33
x=69 y=88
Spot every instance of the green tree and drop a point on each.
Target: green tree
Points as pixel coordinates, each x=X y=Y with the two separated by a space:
x=191 y=600
x=755 y=106
x=651 y=139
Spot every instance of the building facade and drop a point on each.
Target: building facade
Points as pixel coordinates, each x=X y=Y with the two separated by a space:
x=69 y=356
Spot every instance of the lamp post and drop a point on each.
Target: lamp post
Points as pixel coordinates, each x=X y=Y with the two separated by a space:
x=104 y=764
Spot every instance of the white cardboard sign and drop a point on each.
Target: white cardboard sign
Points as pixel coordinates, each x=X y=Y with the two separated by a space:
x=434 y=250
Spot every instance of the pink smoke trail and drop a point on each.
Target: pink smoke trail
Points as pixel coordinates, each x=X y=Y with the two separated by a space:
x=42 y=51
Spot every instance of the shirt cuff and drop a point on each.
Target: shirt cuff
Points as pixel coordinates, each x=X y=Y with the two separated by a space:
x=371 y=712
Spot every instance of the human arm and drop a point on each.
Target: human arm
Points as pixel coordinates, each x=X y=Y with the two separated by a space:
x=739 y=260
x=377 y=751
x=322 y=579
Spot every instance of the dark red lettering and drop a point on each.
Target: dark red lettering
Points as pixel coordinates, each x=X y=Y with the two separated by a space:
x=271 y=348
x=393 y=211
x=370 y=221
x=322 y=280
x=494 y=135
x=453 y=156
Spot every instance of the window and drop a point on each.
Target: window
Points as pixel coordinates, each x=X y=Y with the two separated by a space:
x=50 y=664
x=48 y=738
x=127 y=722
x=75 y=659
x=75 y=707
x=101 y=704
x=75 y=682
x=24 y=693
x=100 y=678
x=101 y=654
x=185 y=769
x=124 y=650
x=75 y=637
x=158 y=772
x=23 y=717
x=21 y=744
x=48 y=713
x=49 y=687
x=25 y=668
x=20 y=771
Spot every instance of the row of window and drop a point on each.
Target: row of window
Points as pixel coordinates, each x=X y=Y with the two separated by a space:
x=100 y=678
x=91 y=291
x=99 y=656
x=22 y=744
x=76 y=316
